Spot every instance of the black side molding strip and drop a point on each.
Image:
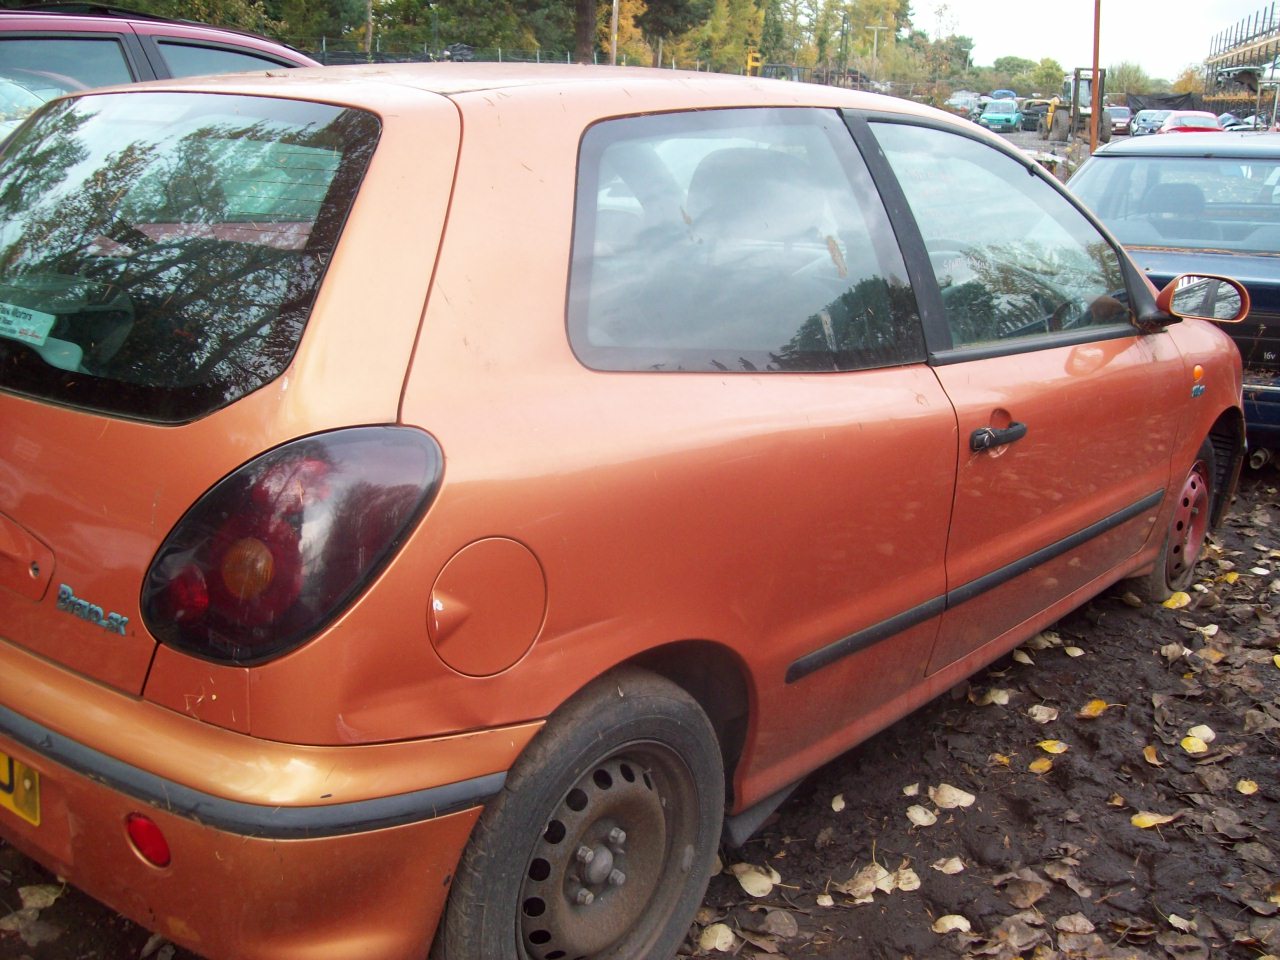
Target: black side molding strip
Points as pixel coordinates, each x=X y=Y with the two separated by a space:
x=846 y=646
x=248 y=819
x=825 y=656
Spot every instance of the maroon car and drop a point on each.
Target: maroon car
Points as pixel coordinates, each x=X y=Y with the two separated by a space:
x=50 y=50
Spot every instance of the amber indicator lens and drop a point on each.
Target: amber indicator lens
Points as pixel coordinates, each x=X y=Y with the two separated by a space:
x=278 y=548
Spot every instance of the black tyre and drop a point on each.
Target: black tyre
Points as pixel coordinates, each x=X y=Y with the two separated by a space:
x=601 y=843
x=1188 y=530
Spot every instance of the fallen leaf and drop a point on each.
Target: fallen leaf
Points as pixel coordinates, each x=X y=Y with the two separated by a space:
x=911 y=790
x=950 y=923
x=1023 y=657
x=1208 y=631
x=40 y=896
x=1260 y=571
x=1043 y=765
x=837 y=802
x=1042 y=714
x=1094 y=709
x=921 y=816
x=1210 y=654
x=1172 y=651
x=1231 y=577
x=1177 y=601
x=1115 y=800
x=780 y=923
x=1194 y=745
x=996 y=695
x=1074 y=923
x=999 y=760
x=1053 y=746
x=1247 y=787
x=907 y=879
x=947 y=797
x=1073 y=651
x=1025 y=888
x=718 y=937
x=1147 y=820
x=949 y=866
x=1276 y=660
x=1179 y=923
x=1131 y=599
x=1203 y=732
x=825 y=900
x=754 y=880
x=1149 y=754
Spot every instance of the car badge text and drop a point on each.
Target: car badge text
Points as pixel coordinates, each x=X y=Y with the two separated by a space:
x=68 y=602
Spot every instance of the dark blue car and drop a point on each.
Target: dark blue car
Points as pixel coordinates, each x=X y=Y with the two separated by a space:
x=1205 y=203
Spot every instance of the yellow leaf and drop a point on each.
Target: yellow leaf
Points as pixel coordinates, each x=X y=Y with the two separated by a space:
x=1246 y=787
x=999 y=759
x=1147 y=820
x=1149 y=754
x=1053 y=746
x=1093 y=709
x=1043 y=765
x=1276 y=660
x=1115 y=800
x=1194 y=745
x=1231 y=577
x=1177 y=601
x=1210 y=654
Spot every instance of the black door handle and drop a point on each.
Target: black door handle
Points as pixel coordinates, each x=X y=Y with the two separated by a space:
x=985 y=438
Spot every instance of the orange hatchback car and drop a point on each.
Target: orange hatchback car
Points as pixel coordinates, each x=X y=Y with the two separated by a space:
x=436 y=500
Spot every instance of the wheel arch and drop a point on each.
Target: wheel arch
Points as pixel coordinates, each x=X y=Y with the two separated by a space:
x=1227 y=437
x=716 y=677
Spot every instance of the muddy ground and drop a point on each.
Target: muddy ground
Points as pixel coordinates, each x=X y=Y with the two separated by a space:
x=1040 y=862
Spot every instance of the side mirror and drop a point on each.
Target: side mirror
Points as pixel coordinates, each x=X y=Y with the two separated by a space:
x=1204 y=297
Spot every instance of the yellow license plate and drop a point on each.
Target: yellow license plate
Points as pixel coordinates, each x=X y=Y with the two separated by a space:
x=19 y=789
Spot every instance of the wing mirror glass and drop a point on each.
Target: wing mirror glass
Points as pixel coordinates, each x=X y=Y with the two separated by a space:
x=1194 y=295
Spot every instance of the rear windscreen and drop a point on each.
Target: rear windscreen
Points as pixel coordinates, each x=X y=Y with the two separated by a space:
x=160 y=252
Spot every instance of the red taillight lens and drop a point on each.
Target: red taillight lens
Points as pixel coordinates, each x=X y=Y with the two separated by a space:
x=148 y=840
x=276 y=550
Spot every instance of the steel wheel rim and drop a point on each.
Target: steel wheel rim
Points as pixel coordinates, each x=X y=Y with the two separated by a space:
x=633 y=810
x=1190 y=525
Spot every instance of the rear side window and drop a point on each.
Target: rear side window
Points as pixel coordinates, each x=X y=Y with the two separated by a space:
x=734 y=240
x=160 y=252
x=192 y=60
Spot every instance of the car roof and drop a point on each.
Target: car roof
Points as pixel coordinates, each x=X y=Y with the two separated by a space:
x=618 y=90
x=1247 y=143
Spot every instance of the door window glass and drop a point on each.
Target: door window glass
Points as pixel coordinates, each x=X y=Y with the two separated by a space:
x=734 y=240
x=1012 y=256
x=52 y=66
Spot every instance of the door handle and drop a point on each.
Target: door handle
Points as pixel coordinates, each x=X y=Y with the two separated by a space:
x=985 y=438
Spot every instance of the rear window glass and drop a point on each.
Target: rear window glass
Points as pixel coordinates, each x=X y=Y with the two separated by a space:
x=160 y=253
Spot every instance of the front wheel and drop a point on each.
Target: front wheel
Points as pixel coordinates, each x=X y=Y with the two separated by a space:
x=601 y=843
x=1187 y=533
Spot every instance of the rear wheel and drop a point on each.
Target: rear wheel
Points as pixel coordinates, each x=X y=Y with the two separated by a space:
x=1187 y=533
x=601 y=843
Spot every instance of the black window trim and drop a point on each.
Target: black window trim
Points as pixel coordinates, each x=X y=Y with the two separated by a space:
x=942 y=350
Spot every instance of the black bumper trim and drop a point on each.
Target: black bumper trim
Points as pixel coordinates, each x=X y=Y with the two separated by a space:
x=248 y=819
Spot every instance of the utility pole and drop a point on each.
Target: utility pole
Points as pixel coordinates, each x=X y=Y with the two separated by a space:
x=613 y=36
x=875 y=47
x=1096 y=113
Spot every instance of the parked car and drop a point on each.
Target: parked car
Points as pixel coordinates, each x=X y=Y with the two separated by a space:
x=52 y=51
x=1033 y=113
x=1146 y=122
x=1119 y=118
x=1001 y=115
x=1188 y=121
x=421 y=535
x=1205 y=202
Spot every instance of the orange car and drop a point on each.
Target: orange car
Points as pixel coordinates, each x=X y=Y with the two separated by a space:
x=435 y=500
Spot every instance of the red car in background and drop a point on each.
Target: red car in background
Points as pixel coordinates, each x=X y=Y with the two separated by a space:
x=48 y=51
x=1188 y=121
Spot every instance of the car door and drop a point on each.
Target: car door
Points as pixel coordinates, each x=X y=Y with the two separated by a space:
x=51 y=61
x=1065 y=411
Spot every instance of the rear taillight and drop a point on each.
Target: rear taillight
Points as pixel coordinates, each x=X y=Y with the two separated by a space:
x=277 y=549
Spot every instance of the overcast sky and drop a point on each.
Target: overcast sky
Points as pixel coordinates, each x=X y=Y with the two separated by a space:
x=1162 y=38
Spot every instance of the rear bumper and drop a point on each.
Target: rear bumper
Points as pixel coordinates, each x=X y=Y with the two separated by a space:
x=1262 y=409
x=302 y=852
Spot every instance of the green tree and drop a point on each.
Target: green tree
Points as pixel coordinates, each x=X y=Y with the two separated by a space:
x=1046 y=79
x=666 y=19
x=1190 y=80
x=773 y=38
x=1012 y=66
x=1127 y=77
